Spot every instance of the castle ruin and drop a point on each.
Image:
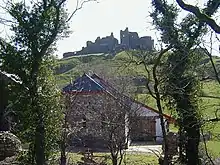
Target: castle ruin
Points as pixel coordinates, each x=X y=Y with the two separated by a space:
x=109 y=44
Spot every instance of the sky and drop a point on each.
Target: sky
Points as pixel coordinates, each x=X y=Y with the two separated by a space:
x=100 y=19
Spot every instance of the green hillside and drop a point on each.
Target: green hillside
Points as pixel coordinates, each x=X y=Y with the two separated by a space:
x=121 y=64
x=102 y=64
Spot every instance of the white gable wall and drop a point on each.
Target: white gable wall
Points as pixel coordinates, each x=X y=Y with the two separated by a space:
x=159 y=132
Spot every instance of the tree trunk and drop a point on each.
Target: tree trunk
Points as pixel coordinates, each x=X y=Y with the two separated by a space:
x=181 y=143
x=192 y=127
x=40 y=130
x=159 y=106
x=192 y=152
x=114 y=156
x=121 y=156
x=114 y=160
x=63 y=143
x=40 y=142
x=63 y=152
x=63 y=159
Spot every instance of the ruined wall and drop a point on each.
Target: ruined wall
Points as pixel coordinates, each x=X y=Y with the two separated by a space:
x=131 y=40
x=109 y=44
x=101 y=45
x=134 y=40
x=68 y=54
x=124 y=38
x=146 y=43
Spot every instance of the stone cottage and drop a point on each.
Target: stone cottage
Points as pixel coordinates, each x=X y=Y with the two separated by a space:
x=94 y=105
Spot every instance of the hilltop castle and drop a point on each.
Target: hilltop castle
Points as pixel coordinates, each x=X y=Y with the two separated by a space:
x=109 y=44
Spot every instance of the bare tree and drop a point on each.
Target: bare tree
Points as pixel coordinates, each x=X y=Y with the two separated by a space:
x=152 y=62
x=68 y=130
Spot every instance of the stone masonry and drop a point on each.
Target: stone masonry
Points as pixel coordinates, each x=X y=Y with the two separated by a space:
x=92 y=116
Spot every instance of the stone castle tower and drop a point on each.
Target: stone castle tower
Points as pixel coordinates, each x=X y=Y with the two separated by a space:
x=130 y=40
x=124 y=38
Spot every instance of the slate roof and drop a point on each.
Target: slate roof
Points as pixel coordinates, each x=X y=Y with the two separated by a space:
x=91 y=84
x=84 y=84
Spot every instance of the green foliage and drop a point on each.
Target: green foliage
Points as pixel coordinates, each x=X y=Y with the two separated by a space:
x=38 y=23
x=214 y=148
x=48 y=100
x=36 y=29
x=164 y=17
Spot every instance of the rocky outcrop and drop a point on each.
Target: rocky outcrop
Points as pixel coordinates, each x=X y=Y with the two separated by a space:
x=10 y=161
x=10 y=145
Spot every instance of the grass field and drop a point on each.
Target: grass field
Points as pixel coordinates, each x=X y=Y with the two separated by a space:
x=214 y=148
x=130 y=159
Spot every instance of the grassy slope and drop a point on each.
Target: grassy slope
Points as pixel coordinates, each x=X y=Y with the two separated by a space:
x=75 y=66
x=208 y=108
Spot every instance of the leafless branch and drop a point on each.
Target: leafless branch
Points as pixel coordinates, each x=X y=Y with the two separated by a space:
x=206 y=150
x=79 y=5
x=148 y=82
x=213 y=64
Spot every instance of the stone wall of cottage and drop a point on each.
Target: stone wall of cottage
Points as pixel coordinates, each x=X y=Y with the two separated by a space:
x=92 y=115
